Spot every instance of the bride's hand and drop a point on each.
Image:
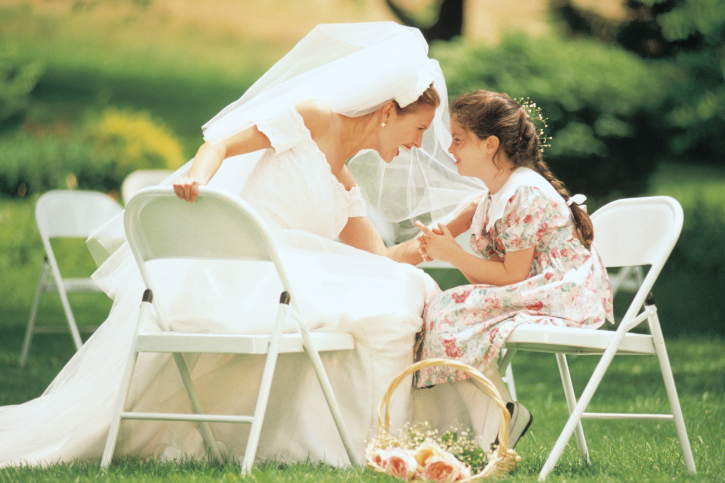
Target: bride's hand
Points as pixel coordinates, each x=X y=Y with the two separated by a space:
x=422 y=248
x=423 y=244
x=187 y=188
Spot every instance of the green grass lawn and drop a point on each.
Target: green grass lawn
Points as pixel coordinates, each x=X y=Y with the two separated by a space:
x=620 y=450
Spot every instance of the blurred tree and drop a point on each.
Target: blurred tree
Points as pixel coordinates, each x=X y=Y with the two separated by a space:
x=690 y=34
x=17 y=80
x=447 y=14
x=601 y=102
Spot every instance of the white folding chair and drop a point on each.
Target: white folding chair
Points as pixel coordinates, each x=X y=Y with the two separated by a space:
x=628 y=232
x=626 y=278
x=464 y=240
x=140 y=179
x=216 y=226
x=65 y=214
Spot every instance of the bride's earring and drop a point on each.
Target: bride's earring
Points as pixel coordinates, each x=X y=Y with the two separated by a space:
x=382 y=124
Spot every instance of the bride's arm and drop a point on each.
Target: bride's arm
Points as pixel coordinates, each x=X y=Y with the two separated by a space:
x=209 y=158
x=361 y=233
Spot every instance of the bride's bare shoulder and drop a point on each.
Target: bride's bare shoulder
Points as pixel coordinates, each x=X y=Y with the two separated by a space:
x=317 y=115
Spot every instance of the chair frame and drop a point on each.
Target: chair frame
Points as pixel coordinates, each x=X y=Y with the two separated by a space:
x=50 y=277
x=608 y=343
x=252 y=242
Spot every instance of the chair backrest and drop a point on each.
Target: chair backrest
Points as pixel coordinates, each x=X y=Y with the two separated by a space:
x=73 y=213
x=140 y=179
x=638 y=231
x=218 y=225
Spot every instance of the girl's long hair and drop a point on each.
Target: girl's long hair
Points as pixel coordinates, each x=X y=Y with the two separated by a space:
x=486 y=113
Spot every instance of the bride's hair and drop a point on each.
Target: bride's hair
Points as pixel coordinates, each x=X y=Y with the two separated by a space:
x=486 y=113
x=428 y=100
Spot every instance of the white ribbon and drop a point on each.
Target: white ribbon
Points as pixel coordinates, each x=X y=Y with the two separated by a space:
x=578 y=200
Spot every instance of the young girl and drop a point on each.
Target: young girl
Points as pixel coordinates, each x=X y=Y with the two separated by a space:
x=537 y=265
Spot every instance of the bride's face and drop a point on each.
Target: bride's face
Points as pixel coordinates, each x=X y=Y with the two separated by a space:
x=403 y=130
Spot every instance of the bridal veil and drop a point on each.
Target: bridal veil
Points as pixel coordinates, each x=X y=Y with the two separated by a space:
x=354 y=68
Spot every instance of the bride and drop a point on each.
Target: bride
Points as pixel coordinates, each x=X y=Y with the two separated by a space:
x=333 y=113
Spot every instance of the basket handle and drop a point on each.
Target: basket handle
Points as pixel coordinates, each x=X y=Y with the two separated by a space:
x=488 y=387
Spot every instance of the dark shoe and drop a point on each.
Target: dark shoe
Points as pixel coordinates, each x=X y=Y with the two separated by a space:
x=521 y=419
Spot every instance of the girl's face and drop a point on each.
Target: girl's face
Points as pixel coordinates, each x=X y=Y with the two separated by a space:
x=467 y=150
x=404 y=130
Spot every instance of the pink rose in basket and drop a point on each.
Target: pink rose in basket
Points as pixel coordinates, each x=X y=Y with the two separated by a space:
x=425 y=451
x=442 y=468
x=400 y=463
x=378 y=458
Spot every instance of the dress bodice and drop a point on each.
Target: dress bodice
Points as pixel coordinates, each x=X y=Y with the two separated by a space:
x=292 y=185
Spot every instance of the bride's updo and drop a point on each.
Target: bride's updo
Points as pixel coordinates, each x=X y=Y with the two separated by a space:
x=428 y=100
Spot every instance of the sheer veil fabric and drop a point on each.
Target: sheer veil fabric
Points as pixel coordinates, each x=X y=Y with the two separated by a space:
x=354 y=68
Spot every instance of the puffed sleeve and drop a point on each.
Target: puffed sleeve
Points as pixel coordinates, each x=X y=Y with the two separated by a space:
x=285 y=129
x=527 y=217
x=355 y=203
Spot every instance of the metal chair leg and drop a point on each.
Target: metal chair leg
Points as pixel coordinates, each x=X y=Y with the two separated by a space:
x=265 y=386
x=27 y=340
x=581 y=441
x=204 y=427
x=674 y=400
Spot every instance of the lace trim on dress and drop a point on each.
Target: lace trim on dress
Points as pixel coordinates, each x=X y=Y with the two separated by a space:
x=285 y=129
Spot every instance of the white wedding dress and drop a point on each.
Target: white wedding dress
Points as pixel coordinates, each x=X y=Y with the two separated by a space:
x=337 y=288
x=354 y=68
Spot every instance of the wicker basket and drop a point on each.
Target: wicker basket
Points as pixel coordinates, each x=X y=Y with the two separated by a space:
x=503 y=460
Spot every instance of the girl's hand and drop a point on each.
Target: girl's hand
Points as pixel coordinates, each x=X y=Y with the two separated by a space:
x=187 y=188
x=436 y=244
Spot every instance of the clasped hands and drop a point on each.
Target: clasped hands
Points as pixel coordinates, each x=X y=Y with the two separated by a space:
x=435 y=244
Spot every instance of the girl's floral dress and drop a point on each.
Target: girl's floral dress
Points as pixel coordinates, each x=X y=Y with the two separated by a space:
x=567 y=284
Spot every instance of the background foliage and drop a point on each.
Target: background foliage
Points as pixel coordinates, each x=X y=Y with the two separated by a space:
x=603 y=104
x=634 y=106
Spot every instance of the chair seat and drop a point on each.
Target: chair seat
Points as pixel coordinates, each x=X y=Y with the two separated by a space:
x=574 y=340
x=239 y=344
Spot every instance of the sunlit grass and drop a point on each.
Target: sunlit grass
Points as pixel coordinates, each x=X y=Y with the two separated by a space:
x=620 y=450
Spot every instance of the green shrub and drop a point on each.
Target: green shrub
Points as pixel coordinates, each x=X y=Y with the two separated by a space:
x=689 y=290
x=126 y=140
x=603 y=104
x=17 y=79
x=697 y=28
x=701 y=192
x=32 y=164
x=96 y=156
